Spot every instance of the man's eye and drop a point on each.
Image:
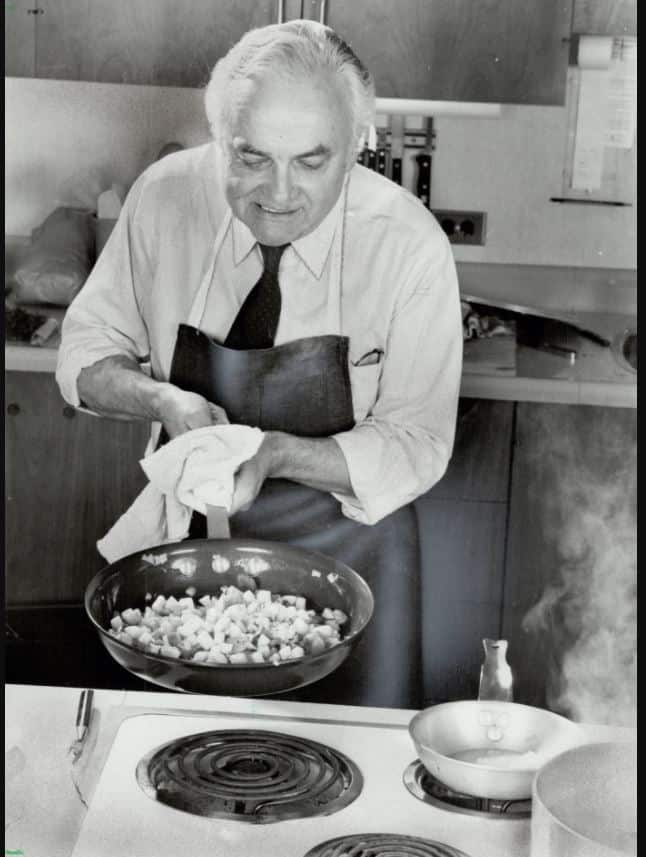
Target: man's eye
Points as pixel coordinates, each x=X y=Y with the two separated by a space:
x=250 y=160
x=314 y=162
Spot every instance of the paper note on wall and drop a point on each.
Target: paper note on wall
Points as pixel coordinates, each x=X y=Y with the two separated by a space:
x=622 y=94
x=606 y=109
x=595 y=54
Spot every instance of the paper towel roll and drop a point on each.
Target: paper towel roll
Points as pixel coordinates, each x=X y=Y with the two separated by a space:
x=594 y=52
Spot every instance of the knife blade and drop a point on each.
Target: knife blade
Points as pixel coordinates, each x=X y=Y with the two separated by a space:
x=525 y=310
x=396 y=147
x=382 y=153
x=423 y=189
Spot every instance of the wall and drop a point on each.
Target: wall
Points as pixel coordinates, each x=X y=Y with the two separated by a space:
x=65 y=141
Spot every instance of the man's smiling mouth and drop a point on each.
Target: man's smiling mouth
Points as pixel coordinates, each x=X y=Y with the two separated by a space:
x=278 y=211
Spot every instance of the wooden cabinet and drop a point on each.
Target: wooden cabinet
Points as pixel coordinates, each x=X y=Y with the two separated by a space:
x=570 y=574
x=462 y=531
x=158 y=42
x=68 y=476
x=513 y=51
x=605 y=17
x=19 y=38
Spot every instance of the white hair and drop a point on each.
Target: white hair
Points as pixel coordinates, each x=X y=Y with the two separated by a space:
x=300 y=48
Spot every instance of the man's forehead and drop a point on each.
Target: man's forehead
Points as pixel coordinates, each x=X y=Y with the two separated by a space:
x=286 y=89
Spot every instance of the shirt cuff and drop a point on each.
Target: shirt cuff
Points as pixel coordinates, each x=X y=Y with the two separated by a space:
x=367 y=506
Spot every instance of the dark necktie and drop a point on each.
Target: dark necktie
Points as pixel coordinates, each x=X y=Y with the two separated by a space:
x=257 y=320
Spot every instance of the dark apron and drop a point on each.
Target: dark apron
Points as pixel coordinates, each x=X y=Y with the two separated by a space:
x=303 y=387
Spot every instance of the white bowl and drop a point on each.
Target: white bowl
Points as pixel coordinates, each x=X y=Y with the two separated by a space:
x=499 y=745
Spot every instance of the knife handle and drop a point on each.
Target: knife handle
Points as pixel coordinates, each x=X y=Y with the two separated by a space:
x=372 y=159
x=424 y=178
x=381 y=161
x=396 y=170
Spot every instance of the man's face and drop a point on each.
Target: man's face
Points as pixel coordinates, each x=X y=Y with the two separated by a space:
x=288 y=151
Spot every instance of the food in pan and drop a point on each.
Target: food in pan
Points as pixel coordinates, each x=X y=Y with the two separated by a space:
x=239 y=626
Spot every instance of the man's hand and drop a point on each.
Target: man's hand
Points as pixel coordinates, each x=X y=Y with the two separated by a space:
x=251 y=476
x=317 y=462
x=180 y=411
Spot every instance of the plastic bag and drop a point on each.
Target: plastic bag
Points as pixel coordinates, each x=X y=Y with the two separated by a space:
x=58 y=260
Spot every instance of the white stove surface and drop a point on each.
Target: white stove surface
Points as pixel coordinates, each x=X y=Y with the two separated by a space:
x=123 y=820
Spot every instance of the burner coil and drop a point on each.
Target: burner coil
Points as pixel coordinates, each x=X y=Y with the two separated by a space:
x=249 y=775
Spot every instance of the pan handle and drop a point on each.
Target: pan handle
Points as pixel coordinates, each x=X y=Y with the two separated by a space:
x=217 y=522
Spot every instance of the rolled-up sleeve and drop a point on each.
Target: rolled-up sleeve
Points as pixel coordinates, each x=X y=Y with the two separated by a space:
x=404 y=445
x=105 y=319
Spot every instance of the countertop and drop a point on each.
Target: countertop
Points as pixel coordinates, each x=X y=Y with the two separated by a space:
x=601 y=300
x=43 y=809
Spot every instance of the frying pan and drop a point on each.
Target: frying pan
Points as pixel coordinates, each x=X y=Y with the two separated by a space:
x=323 y=581
x=510 y=741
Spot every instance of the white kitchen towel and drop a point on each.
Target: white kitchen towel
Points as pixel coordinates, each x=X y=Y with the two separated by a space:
x=193 y=469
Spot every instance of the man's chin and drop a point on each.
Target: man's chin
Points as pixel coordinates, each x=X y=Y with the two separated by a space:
x=275 y=234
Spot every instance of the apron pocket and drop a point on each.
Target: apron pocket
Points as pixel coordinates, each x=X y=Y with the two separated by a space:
x=364 y=381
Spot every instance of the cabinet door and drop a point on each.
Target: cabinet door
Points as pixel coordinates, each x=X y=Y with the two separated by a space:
x=570 y=579
x=513 y=51
x=68 y=478
x=160 y=42
x=462 y=532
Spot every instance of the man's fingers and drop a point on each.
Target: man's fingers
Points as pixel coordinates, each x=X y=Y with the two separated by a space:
x=218 y=415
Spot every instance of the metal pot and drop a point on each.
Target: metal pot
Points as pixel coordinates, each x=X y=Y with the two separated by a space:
x=510 y=742
x=584 y=803
x=291 y=570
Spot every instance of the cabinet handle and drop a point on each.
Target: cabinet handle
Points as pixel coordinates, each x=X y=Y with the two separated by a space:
x=281 y=12
x=13 y=408
x=69 y=412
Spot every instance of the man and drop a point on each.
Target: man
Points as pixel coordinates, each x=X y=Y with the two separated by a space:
x=272 y=281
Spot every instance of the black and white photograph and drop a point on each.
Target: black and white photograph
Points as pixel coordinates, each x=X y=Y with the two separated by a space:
x=320 y=428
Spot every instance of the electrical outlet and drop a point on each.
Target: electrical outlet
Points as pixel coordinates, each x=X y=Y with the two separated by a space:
x=462 y=227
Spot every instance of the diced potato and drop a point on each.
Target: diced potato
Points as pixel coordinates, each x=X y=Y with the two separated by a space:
x=133 y=631
x=241 y=625
x=131 y=617
x=200 y=656
x=205 y=640
x=300 y=626
x=159 y=604
x=169 y=651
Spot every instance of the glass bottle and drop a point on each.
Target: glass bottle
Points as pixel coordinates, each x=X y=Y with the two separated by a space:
x=496 y=680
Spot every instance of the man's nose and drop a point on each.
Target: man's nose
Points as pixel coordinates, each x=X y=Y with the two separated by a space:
x=281 y=183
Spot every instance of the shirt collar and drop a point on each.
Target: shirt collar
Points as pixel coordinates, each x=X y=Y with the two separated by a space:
x=312 y=249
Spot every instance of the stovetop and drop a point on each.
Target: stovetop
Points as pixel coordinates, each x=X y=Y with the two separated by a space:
x=125 y=816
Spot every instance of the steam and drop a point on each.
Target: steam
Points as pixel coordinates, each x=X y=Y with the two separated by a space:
x=591 y=606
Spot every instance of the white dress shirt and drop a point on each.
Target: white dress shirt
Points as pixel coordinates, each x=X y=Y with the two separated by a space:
x=399 y=295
